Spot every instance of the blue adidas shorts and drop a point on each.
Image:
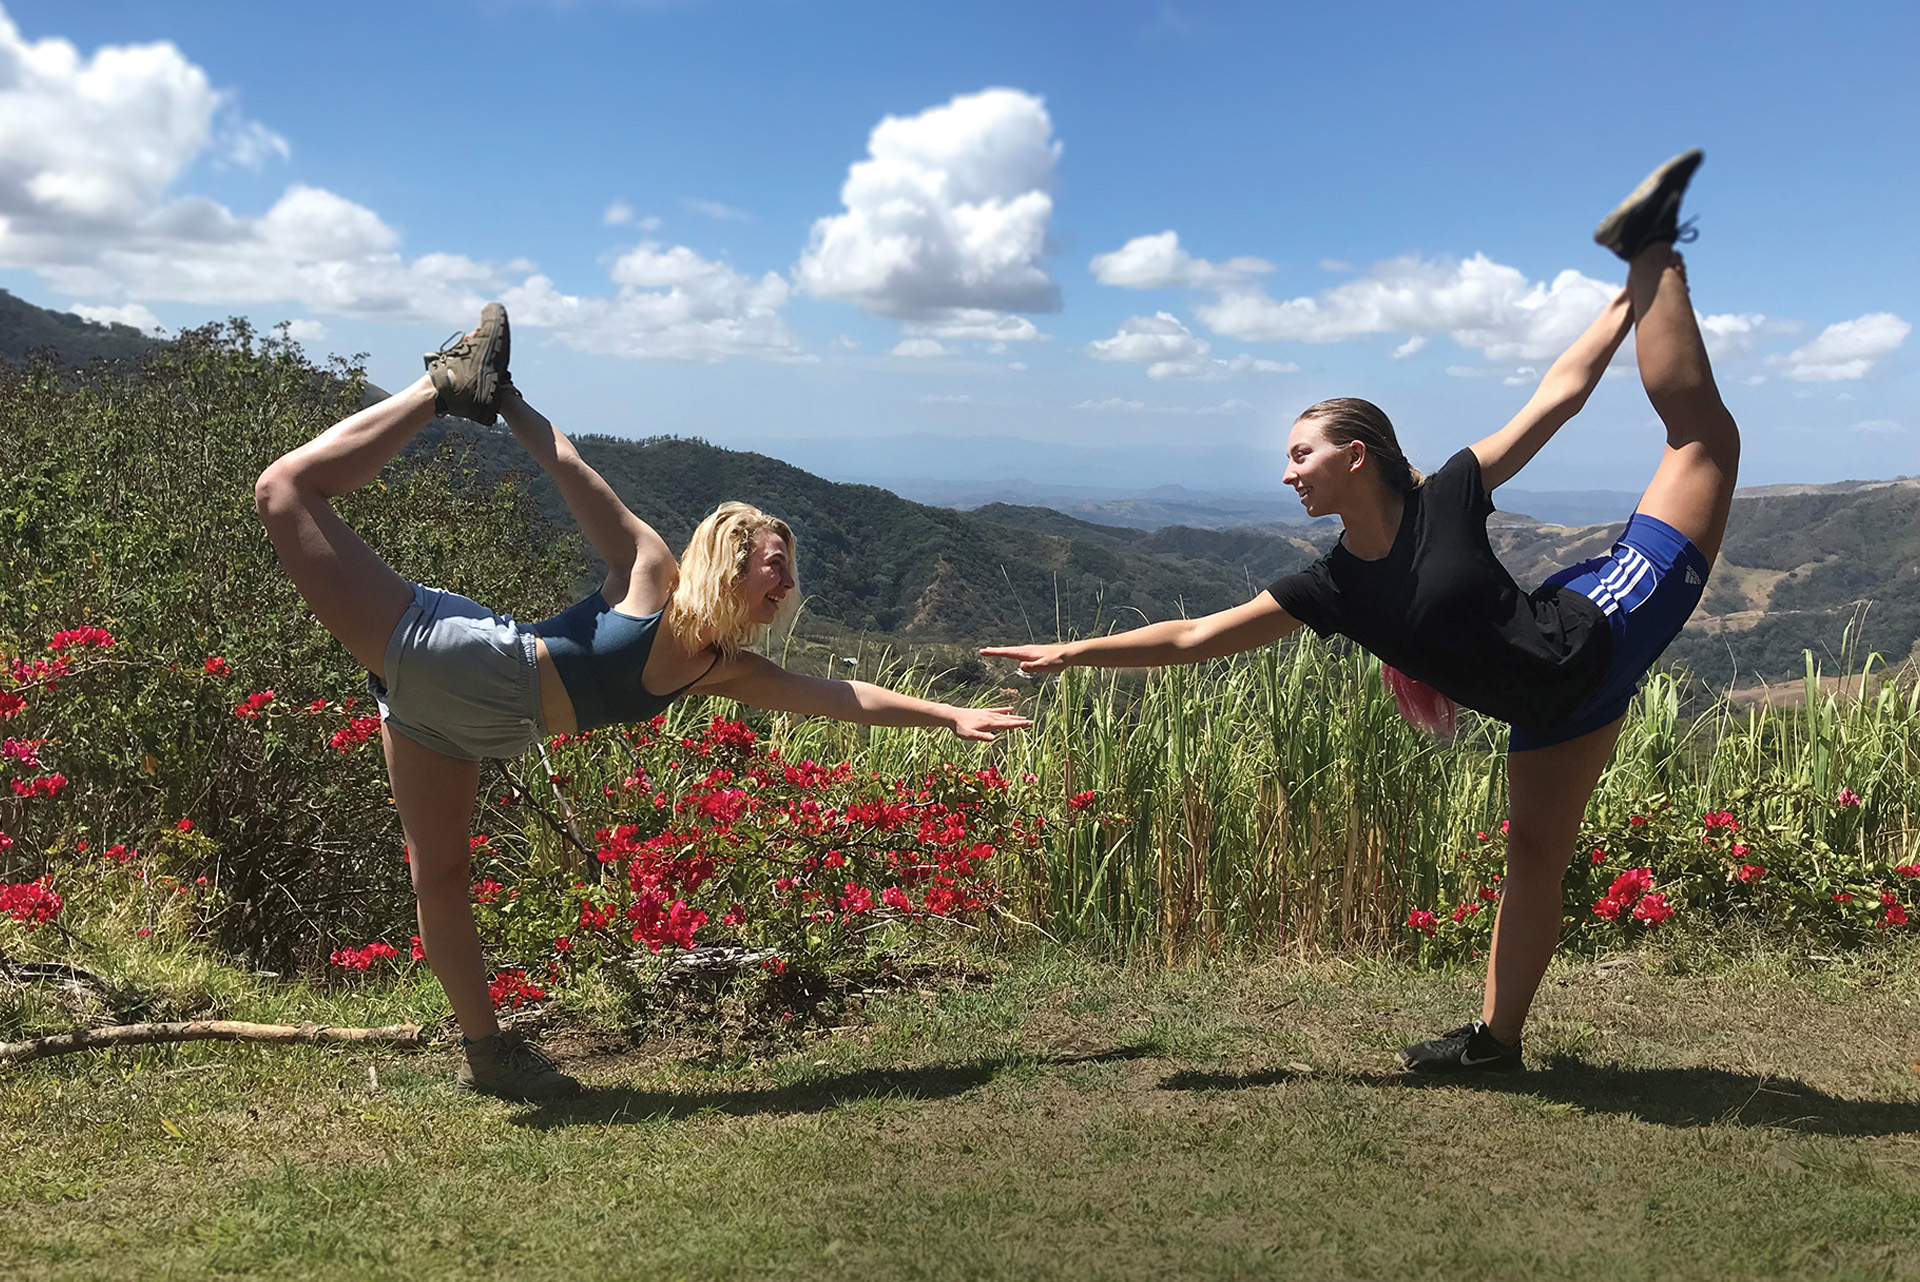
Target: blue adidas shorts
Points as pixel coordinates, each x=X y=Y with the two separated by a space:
x=1648 y=586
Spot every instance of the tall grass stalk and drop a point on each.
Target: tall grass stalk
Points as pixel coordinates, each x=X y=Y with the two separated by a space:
x=1277 y=801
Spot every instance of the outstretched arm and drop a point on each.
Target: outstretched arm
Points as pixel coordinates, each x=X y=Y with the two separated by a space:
x=759 y=681
x=1212 y=636
x=1569 y=381
x=632 y=550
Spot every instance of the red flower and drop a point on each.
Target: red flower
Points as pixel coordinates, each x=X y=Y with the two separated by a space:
x=215 y=666
x=185 y=825
x=80 y=638
x=416 y=953
x=486 y=890
x=1608 y=908
x=1599 y=856
x=11 y=704
x=1907 y=870
x=511 y=988
x=354 y=733
x=32 y=903
x=1843 y=898
x=1081 y=800
x=1631 y=884
x=24 y=751
x=1636 y=821
x=248 y=709
x=1750 y=873
x=1653 y=909
x=42 y=786
x=1896 y=914
x=1421 y=920
x=1848 y=797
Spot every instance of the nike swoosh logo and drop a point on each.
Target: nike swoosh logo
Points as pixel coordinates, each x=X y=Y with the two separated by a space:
x=1468 y=1061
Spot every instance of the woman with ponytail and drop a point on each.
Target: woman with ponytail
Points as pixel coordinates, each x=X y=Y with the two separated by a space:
x=1414 y=580
x=457 y=683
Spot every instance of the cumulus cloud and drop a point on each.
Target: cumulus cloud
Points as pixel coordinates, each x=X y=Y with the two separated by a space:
x=618 y=213
x=671 y=303
x=946 y=216
x=1173 y=351
x=1116 y=404
x=717 y=211
x=306 y=331
x=126 y=314
x=995 y=329
x=91 y=147
x=1415 y=344
x=1158 y=262
x=1847 y=350
x=1482 y=305
x=918 y=348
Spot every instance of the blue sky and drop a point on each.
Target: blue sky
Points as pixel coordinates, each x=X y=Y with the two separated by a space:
x=885 y=240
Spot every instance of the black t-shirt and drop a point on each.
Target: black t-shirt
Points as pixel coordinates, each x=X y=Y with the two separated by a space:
x=1441 y=608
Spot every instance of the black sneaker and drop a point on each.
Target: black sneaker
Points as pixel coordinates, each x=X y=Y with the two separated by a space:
x=511 y=1067
x=1651 y=215
x=1469 y=1048
x=469 y=368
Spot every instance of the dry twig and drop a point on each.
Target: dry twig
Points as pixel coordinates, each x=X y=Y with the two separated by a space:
x=200 y=1030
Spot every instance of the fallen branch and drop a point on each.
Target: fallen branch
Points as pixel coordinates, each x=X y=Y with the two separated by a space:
x=202 y=1030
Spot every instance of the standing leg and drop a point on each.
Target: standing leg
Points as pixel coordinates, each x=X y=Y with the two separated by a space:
x=1693 y=488
x=1548 y=791
x=434 y=794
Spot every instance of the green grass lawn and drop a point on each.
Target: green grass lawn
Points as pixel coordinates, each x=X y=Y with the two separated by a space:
x=1685 y=1117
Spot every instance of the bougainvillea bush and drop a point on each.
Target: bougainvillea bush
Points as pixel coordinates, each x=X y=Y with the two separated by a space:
x=1637 y=873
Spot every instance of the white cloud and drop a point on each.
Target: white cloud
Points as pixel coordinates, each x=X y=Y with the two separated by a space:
x=1158 y=262
x=717 y=211
x=127 y=314
x=1483 y=305
x=1173 y=350
x=1415 y=344
x=1334 y=265
x=1879 y=427
x=1521 y=377
x=618 y=213
x=946 y=216
x=1468 y=371
x=996 y=329
x=1847 y=350
x=671 y=304
x=1016 y=365
x=1115 y=404
x=847 y=343
x=91 y=148
x=306 y=331
x=1730 y=334
x=960 y=398
x=920 y=348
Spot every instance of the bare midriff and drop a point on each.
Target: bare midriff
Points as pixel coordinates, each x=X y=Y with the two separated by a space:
x=556 y=709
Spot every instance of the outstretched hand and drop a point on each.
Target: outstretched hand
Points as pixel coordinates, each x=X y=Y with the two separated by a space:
x=980 y=723
x=1032 y=658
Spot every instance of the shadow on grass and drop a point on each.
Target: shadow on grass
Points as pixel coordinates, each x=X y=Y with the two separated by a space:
x=607 y=1105
x=1681 y=1097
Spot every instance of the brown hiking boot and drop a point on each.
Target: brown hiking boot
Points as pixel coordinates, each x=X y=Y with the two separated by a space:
x=469 y=368
x=1651 y=215
x=511 y=1067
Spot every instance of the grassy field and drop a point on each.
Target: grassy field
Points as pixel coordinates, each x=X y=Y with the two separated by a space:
x=1689 y=1114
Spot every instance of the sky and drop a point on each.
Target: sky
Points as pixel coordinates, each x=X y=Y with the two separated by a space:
x=1112 y=243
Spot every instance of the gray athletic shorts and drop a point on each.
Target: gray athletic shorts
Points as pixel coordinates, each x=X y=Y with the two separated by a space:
x=461 y=679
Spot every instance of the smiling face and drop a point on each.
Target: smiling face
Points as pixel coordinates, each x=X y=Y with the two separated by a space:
x=1321 y=473
x=768 y=577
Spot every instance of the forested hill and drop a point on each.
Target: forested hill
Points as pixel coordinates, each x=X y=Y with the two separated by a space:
x=872 y=561
x=24 y=327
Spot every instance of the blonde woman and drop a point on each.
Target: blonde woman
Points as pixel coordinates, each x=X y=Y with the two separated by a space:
x=457 y=683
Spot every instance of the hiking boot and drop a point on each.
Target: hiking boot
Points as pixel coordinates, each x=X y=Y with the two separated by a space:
x=1651 y=215
x=1469 y=1048
x=469 y=368
x=511 y=1067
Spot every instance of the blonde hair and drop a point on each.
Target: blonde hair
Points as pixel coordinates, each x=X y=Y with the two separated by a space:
x=706 y=600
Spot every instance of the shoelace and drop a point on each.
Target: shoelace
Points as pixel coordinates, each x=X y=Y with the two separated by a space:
x=525 y=1055
x=457 y=344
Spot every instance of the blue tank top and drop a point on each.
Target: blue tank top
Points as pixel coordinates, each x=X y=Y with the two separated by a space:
x=601 y=654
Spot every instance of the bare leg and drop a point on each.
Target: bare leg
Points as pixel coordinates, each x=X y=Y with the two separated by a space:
x=355 y=595
x=434 y=794
x=1693 y=489
x=1549 y=789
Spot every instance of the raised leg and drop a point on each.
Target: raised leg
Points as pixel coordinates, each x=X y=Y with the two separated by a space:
x=355 y=595
x=1693 y=488
x=1548 y=789
x=435 y=794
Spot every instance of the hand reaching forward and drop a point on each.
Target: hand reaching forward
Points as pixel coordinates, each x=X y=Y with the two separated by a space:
x=1032 y=658
x=980 y=723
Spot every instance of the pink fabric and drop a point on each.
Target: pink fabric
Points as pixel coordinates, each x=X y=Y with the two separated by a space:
x=1421 y=704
